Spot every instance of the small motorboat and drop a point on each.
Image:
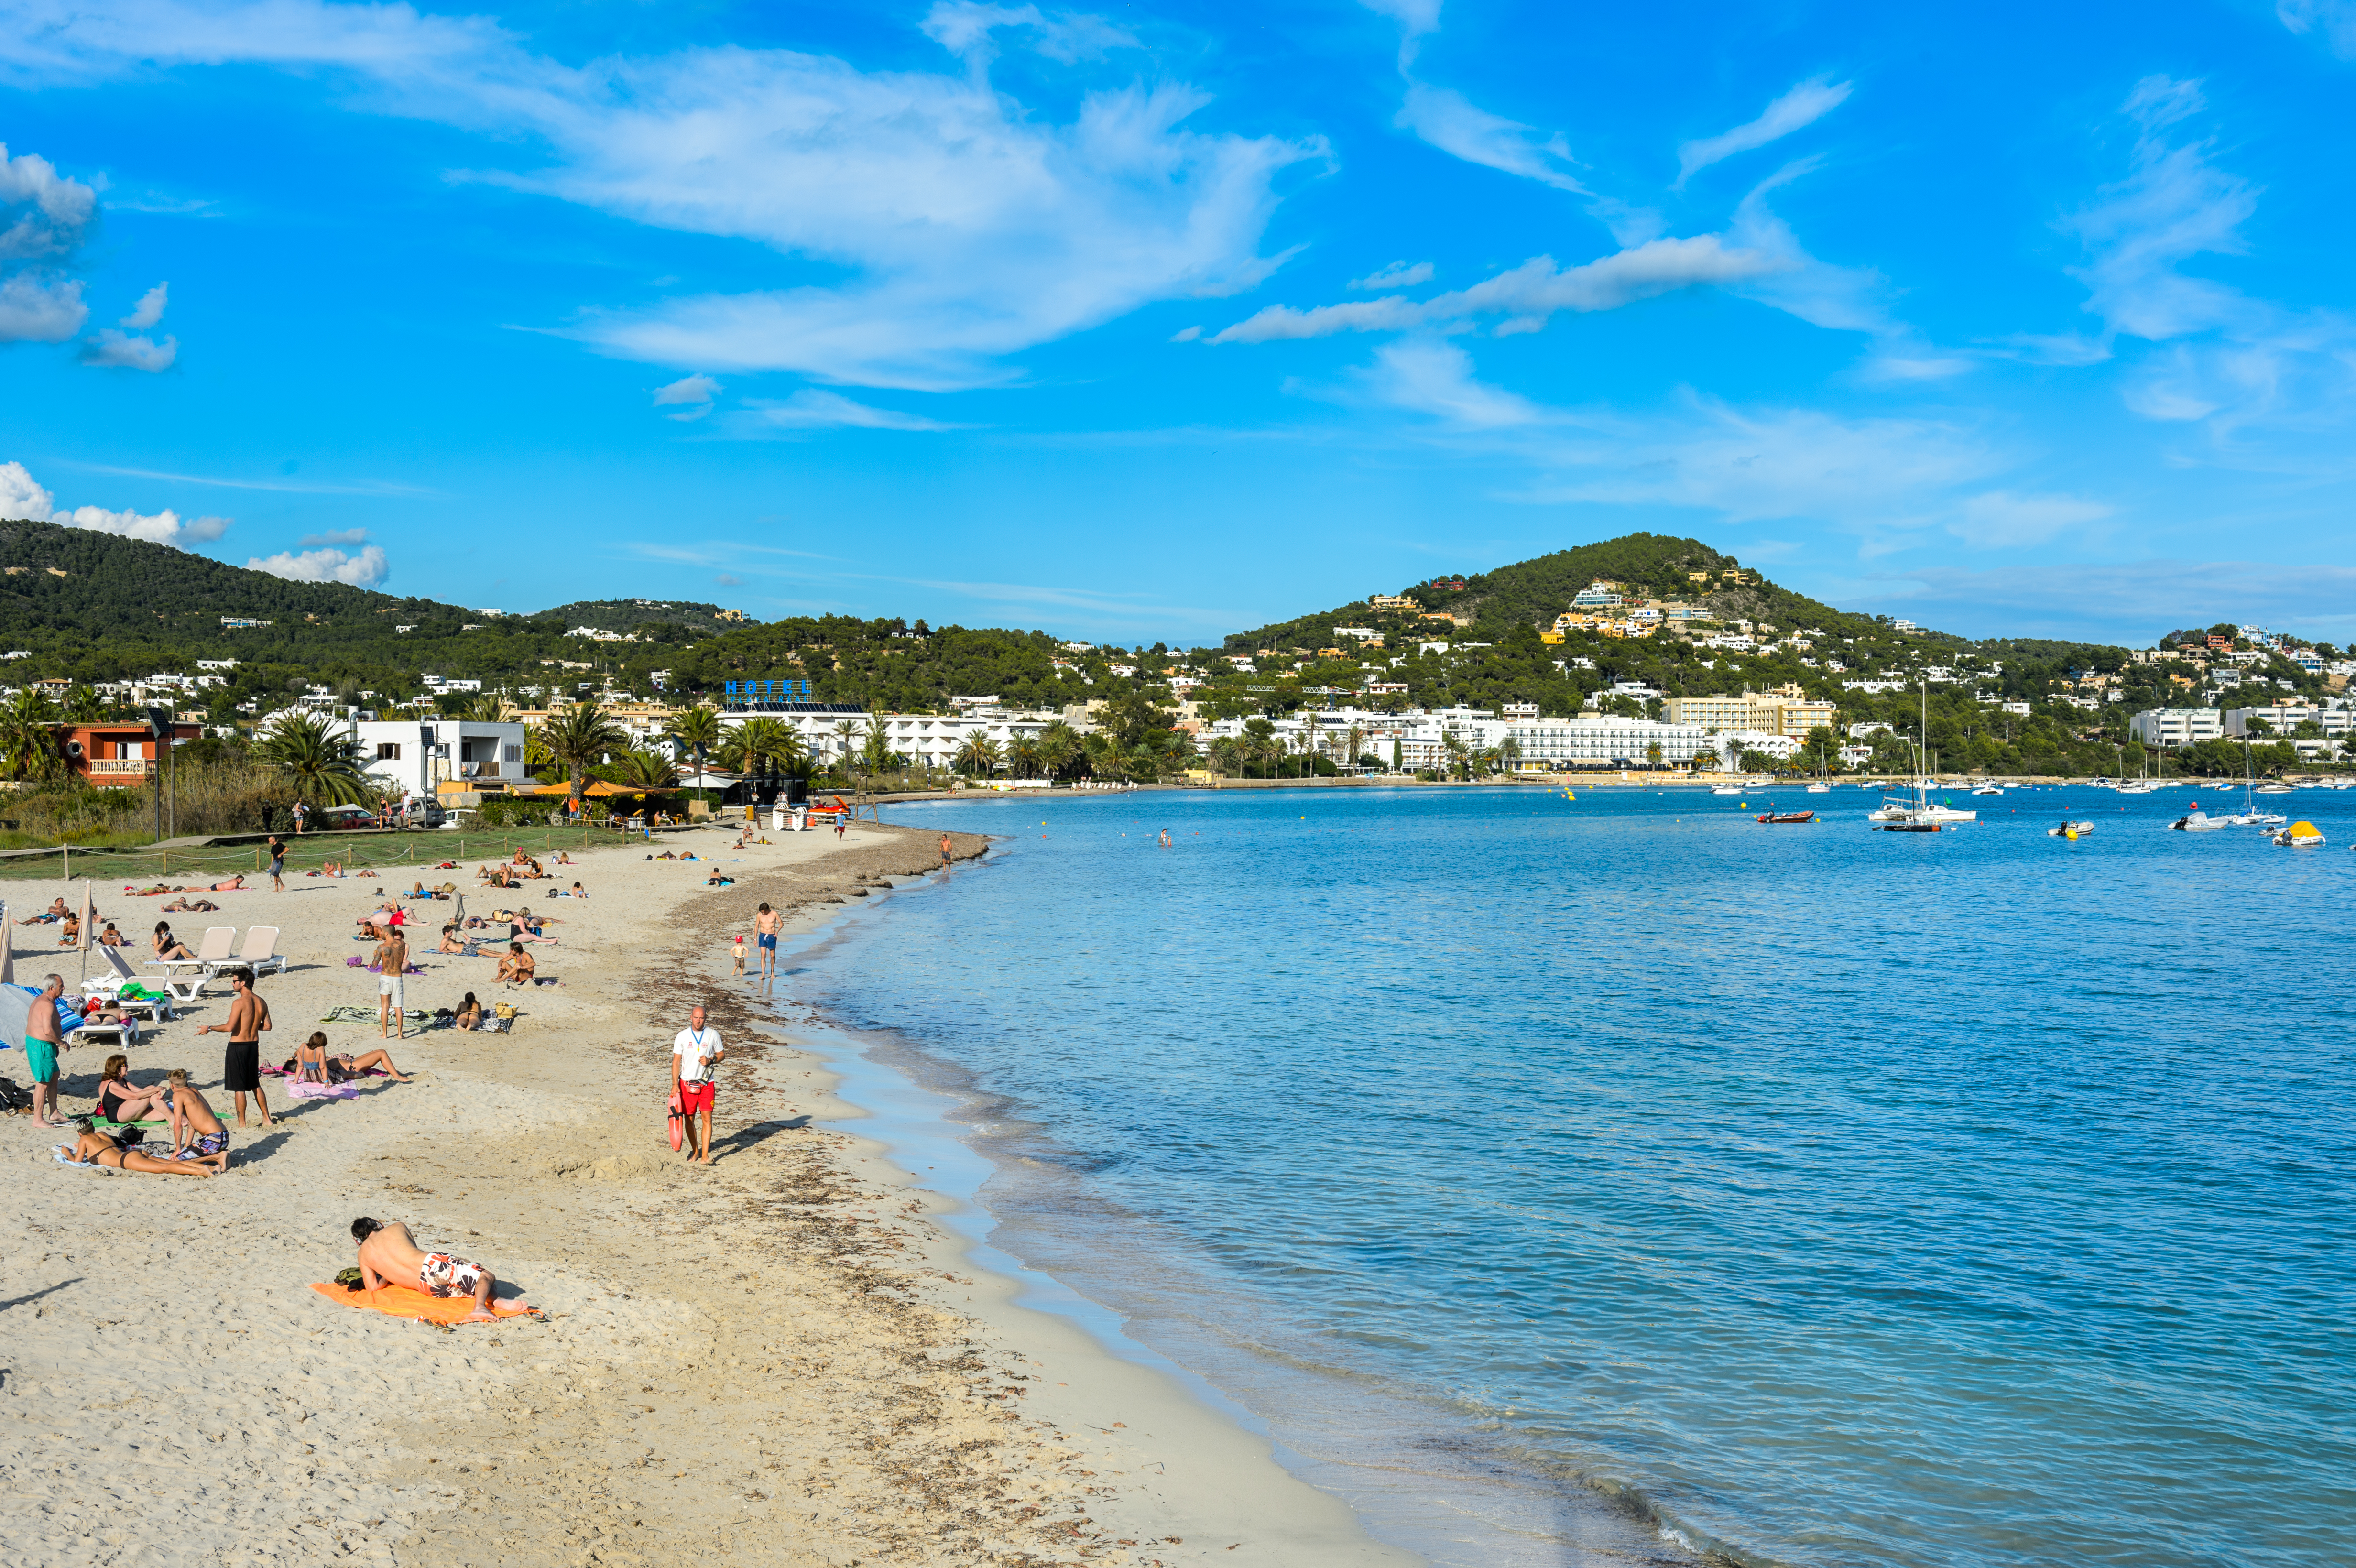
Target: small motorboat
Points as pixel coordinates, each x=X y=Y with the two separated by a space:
x=1725 y=789
x=1987 y=789
x=2070 y=831
x=1789 y=816
x=1820 y=789
x=2198 y=821
x=2277 y=787
x=2300 y=835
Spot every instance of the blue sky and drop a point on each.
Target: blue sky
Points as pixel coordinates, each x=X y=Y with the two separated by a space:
x=1152 y=322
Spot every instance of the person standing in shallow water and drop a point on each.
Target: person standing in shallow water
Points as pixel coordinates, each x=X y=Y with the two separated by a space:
x=945 y=851
x=764 y=933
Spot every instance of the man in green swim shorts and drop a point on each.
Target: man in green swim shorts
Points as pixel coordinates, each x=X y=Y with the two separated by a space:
x=42 y=1047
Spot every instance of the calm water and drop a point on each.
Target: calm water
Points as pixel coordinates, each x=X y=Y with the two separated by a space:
x=1833 y=1197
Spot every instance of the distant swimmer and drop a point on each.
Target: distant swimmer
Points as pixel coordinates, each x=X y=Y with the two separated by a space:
x=1165 y=838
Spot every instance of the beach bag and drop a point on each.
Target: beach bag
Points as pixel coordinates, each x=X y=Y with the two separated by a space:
x=11 y=1098
x=503 y=1010
x=678 y=1123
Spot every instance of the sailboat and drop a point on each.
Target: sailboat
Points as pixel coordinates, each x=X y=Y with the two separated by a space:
x=1919 y=814
x=2250 y=815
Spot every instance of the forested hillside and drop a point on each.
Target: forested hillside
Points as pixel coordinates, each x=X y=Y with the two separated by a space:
x=888 y=664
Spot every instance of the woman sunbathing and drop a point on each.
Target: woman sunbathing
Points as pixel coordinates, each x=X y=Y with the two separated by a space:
x=168 y=947
x=120 y=1100
x=527 y=929
x=309 y=1064
x=344 y=1068
x=391 y=1255
x=470 y=1014
x=96 y=1148
x=312 y=1064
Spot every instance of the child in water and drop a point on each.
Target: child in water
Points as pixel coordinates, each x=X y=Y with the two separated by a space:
x=740 y=955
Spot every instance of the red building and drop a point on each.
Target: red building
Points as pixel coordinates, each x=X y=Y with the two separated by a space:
x=120 y=753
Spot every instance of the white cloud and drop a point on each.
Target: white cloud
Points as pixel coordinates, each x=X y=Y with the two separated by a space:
x=1527 y=295
x=812 y=410
x=955 y=226
x=964 y=28
x=687 y=389
x=1434 y=376
x=35 y=308
x=336 y=536
x=365 y=570
x=1451 y=122
x=148 y=311
x=21 y=497
x=2335 y=19
x=43 y=219
x=2263 y=378
x=1398 y=275
x=1805 y=105
x=1414 y=17
x=108 y=346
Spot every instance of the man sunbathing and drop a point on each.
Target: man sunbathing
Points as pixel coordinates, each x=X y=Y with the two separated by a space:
x=96 y=1148
x=391 y=1255
x=188 y=906
x=451 y=944
x=109 y=937
x=197 y=1133
x=234 y=885
x=71 y=936
x=56 y=912
x=517 y=967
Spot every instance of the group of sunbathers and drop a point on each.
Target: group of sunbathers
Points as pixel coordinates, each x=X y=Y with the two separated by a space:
x=199 y=1143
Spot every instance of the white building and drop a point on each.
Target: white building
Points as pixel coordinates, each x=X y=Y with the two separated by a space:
x=415 y=755
x=2176 y=725
x=2282 y=719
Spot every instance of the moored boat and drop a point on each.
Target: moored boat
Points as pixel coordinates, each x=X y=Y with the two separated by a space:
x=2300 y=835
x=1788 y=816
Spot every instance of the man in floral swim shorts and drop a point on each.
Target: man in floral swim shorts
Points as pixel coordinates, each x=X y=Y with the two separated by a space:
x=389 y=1255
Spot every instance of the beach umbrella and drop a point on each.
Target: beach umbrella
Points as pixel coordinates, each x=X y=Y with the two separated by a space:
x=8 y=949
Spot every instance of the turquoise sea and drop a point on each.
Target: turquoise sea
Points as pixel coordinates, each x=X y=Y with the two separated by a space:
x=1547 y=1172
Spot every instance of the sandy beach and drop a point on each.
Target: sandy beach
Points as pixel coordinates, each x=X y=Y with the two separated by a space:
x=781 y=1356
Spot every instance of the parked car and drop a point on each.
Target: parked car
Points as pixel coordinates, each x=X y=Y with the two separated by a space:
x=348 y=816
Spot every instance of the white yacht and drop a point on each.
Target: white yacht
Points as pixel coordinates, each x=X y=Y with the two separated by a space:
x=1916 y=812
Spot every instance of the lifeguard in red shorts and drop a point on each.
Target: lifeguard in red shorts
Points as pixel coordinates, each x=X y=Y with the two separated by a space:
x=695 y=1058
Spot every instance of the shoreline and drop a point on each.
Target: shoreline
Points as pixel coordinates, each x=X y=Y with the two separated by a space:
x=801 y=1365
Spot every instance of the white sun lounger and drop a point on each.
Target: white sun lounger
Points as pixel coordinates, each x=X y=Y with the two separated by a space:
x=126 y=1033
x=178 y=978
x=260 y=953
x=159 y=1009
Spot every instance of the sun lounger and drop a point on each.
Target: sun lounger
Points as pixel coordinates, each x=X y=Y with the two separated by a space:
x=218 y=941
x=158 y=1010
x=125 y=1034
x=260 y=953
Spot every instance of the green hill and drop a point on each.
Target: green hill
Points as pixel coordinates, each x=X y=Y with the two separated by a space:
x=629 y=614
x=1533 y=593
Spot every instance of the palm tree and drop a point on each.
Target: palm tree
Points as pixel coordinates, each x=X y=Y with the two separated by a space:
x=321 y=761
x=978 y=755
x=1058 y=747
x=762 y=746
x=1226 y=756
x=1653 y=753
x=646 y=773
x=698 y=730
x=1105 y=759
x=1022 y=756
x=1357 y=743
x=490 y=707
x=576 y=738
x=84 y=708
x=875 y=752
x=28 y=736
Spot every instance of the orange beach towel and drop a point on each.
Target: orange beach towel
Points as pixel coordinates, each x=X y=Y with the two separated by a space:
x=403 y=1302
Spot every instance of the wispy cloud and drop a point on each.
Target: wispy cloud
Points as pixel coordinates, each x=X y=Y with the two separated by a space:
x=1398 y=275
x=2333 y=21
x=2259 y=377
x=813 y=410
x=336 y=536
x=957 y=227
x=288 y=486
x=1804 y=105
x=1524 y=297
x=2131 y=600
